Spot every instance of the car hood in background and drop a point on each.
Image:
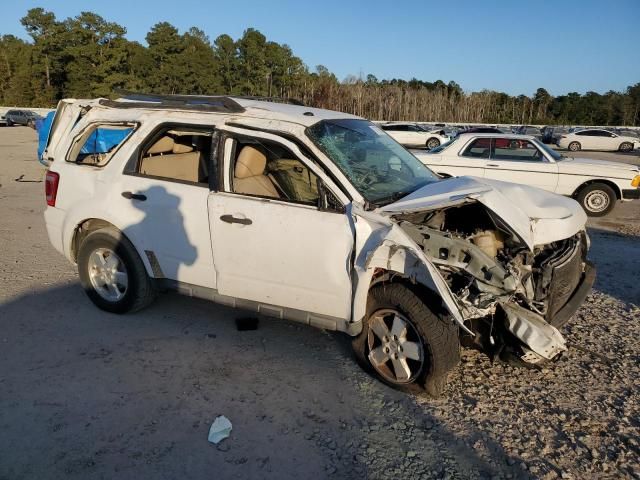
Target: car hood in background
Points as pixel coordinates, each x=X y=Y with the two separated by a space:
x=537 y=216
x=587 y=166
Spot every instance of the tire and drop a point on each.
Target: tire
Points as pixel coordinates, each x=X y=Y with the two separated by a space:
x=575 y=146
x=597 y=199
x=626 y=147
x=434 y=349
x=31 y=124
x=107 y=250
x=9 y=123
x=432 y=143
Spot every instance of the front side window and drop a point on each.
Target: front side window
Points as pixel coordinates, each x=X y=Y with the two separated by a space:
x=266 y=169
x=516 y=150
x=375 y=164
x=99 y=143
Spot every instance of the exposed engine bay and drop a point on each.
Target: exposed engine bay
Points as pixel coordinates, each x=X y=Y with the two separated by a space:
x=509 y=295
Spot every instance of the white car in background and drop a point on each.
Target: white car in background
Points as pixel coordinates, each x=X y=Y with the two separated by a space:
x=595 y=184
x=415 y=135
x=598 y=139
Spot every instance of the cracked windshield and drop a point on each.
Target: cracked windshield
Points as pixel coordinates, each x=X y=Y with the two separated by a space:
x=376 y=165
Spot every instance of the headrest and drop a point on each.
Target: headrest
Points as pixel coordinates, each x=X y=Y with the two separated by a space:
x=164 y=145
x=179 y=148
x=251 y=162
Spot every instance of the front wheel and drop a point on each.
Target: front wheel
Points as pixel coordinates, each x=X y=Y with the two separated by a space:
x=626 y=147
x=112 y=274
x=433 y=143
x=404 y=342
x=597 y=199
x=9 y=123
x=575 y=146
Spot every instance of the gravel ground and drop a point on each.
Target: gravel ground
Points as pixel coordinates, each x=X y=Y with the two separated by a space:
x=88 y=395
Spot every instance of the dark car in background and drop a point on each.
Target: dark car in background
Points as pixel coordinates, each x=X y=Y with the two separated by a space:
x=21 y=117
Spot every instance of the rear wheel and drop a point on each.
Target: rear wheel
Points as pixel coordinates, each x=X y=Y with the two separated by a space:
x=597 y=199
x=404 y=343
x=626 y=147
x=112 y=274
x=433 y=143
x=575 y=146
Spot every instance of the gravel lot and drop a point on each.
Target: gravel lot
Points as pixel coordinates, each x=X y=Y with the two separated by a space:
x=85 y=394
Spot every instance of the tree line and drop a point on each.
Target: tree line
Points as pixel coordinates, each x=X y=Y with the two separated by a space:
x=87 y=56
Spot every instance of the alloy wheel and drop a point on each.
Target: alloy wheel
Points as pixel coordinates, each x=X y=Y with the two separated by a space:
x=108 y=274
x=395 y=348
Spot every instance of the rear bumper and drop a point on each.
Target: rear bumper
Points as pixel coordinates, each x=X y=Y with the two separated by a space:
x=631 y=194
x=577 y=298
x=54 y=219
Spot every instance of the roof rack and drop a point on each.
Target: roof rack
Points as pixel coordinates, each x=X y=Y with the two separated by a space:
x=202 y=103
x=290 y=101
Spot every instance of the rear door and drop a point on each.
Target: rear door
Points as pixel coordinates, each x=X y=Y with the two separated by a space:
x=521 y=161
x=588 y=139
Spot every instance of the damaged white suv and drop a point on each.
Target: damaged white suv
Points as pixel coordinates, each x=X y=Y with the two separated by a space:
x=314 y=216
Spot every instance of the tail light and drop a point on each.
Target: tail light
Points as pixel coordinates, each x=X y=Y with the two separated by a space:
x=51 y=187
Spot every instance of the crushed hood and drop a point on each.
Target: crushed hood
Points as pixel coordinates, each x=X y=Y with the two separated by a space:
x=537 y=216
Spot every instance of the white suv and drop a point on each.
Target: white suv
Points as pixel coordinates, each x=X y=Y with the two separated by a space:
x=314 y=216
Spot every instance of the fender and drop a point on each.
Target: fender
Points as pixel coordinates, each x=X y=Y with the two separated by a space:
x=380 y=243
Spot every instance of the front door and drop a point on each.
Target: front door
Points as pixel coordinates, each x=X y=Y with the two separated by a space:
x=272 y=244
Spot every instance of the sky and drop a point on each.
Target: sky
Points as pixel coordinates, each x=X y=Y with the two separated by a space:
x=510 y=46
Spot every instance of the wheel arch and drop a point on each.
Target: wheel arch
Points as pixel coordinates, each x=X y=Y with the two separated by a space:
x=392 y=263
x=606 y=182
x=89 y=225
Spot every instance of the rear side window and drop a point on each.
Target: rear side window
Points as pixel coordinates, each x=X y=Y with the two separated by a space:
x=99 y=143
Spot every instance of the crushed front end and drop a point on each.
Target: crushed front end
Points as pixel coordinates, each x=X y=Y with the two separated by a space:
x=511 y=297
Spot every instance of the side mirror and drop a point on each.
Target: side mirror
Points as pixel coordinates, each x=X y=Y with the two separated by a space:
x=326 y=200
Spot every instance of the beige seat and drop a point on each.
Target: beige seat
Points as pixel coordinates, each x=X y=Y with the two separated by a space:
x=249 y=176
x=173 y=160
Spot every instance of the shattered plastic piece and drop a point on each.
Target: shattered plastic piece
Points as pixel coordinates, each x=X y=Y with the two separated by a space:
x=220 y=429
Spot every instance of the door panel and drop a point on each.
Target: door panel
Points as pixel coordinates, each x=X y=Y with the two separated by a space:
x=282 y=254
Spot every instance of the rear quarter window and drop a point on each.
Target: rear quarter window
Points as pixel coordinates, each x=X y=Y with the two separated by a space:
x=99 y=143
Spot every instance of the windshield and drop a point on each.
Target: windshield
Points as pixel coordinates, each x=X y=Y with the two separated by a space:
x=444 y=146
x=377 y=166
x=550 y=151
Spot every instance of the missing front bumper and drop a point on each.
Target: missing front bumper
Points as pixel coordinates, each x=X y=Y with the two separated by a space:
x=578 y=296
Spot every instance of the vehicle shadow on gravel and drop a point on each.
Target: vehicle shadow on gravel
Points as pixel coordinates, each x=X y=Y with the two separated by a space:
x=87 y=394
x=615 y=256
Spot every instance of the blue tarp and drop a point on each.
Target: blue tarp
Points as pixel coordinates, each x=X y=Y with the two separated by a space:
x=104 y=139
x=43 y=126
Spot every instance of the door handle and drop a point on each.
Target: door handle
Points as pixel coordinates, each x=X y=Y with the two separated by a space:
x=134 y=196
x=493 y=165
x=232 y=219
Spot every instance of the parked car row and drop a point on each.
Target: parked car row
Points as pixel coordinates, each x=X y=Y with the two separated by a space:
x=596 y=184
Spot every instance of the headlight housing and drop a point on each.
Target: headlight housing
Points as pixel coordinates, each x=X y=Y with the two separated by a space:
x=636 y=181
